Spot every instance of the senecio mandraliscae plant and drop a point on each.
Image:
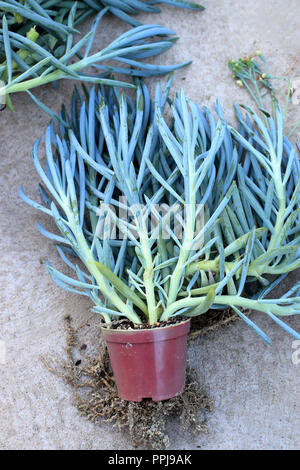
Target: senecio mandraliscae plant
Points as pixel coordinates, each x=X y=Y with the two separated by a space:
x=53 y=14
x=225 y=206
x=37 y=43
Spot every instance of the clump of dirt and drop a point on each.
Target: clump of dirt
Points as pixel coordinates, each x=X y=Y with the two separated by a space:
x=95 y=396
x=147 y=421
x=211 y=321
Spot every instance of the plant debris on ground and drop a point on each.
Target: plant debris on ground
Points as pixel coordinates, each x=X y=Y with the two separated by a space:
x=211 y=321
x=95 y=396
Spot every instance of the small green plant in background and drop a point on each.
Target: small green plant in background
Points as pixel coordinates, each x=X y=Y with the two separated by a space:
x=37 y=43
x=244 y=184
x=252 y=73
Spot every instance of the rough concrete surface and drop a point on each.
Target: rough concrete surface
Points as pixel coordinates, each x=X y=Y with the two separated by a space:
x=255 y=388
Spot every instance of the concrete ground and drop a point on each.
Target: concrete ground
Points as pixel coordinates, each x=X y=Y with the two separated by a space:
x=255 y=388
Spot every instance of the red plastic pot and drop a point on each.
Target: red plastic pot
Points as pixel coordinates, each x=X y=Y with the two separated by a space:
x=148 y=363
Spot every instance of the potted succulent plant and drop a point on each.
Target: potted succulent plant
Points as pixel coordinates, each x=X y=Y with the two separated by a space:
x=169 y=221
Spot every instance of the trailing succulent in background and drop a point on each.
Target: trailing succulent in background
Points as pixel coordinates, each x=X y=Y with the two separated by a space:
x=225 y=203
x=27 y=13
x=37 y=42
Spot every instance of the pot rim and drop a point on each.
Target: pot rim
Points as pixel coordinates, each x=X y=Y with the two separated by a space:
x=147 y=335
